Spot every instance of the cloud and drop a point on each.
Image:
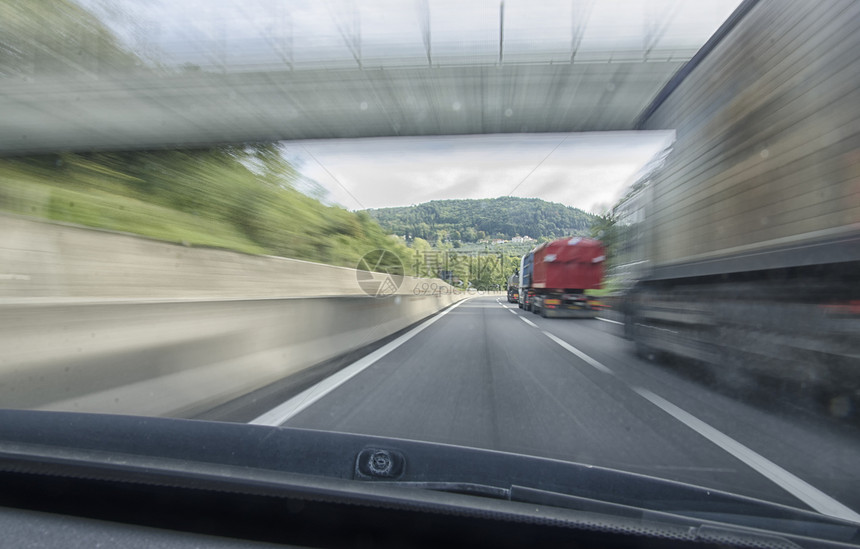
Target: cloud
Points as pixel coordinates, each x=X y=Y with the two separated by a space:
x=586 y=170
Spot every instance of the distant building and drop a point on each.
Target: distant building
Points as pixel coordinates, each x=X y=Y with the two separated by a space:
x=499 y=241
x=521 y=239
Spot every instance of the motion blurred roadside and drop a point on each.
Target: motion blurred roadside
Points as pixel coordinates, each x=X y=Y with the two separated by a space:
x=737 y=248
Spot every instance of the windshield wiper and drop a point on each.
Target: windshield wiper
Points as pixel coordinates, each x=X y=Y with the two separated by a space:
x=706 y=525
x=464 y=488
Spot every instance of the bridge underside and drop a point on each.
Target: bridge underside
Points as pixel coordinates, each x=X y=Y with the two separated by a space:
x=83 y=75
x=146 y=109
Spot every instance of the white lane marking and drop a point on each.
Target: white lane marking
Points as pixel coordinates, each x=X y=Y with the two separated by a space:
x=580 y=354
x=527 y=321
x=14 y=276
x=657 y=328
x=612 y=321
x=285 y=411
x=800 y=489
x=512 y=311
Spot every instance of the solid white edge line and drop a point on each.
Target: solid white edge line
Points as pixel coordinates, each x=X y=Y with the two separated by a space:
x=285 y=411
x=567 y=346
x=612 y=321
x=800 y=489
x=529 y=322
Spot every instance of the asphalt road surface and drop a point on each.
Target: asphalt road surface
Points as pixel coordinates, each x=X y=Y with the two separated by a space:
x=487 y=374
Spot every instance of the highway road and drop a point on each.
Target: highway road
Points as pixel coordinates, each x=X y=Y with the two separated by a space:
x=486 y=374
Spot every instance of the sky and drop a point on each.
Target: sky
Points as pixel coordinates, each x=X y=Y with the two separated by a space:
x=589 y=171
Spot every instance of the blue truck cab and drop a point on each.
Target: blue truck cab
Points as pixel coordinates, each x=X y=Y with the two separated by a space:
x=526 y=290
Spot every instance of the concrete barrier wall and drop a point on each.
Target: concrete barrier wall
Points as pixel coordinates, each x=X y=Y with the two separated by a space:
x=58 y=260
x=68 y=343
x=179 y=358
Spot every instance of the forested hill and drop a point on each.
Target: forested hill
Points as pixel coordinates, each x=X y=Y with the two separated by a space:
x=476 y=219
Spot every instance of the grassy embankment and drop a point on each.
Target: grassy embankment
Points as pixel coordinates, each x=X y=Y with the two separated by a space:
x=240 y=199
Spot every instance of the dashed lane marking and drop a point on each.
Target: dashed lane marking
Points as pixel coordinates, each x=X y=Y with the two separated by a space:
x=584 y=357
x=527 y=321
x=610 y=321
x=802 y=490
x=797 y=487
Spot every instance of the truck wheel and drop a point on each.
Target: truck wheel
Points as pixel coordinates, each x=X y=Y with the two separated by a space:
x=543 y=313
x=628 y=327
x=644 y=351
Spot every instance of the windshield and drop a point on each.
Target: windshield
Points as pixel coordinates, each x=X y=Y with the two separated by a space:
x=621 y=234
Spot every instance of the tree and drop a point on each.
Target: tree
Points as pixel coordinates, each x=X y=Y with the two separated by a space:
x=605 y=230
x=473 y=220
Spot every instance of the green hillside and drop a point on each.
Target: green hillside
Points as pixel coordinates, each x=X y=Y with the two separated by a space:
x=241 y=198
x=474 y=220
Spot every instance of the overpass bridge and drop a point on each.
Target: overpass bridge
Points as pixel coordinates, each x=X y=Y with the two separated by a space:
x=163 y=77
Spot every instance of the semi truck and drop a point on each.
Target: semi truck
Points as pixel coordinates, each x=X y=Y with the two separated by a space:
x=741 y=241
x=513 y=287
x=562 y=272
x=526 y=292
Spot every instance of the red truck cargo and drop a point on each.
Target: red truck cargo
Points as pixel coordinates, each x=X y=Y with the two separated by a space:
x=564 y=270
